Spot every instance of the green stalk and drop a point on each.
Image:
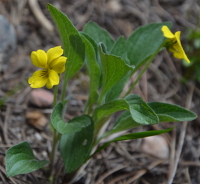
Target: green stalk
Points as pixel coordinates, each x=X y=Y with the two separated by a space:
x=99 y=102
x=87 y=109
x=55 y=95
x=138 y=78
x=142 y=72
x=55 y=139
x=64 y=89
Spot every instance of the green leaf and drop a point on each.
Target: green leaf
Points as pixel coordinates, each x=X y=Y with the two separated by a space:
x=117 y=89
x=93 y=43
x=145 y=42
x=137 y=135
x=20 y=160
x=113 y=70
x=140 y=112
x=75 y=148
x=93 y=71
x=73 y=45
x=125 y=122
x=168 y=112
x=109 y=108
x=95 y=46
x=99 y=34
x=74 y=125
x=120 y=49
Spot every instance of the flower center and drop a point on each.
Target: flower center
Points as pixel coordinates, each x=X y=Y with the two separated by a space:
x=44 y=74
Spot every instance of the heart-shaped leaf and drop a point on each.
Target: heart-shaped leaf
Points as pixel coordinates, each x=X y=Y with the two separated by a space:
x=74 y=125
x=20 y=160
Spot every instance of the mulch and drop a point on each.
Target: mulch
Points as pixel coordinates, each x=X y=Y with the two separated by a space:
x=122 y=162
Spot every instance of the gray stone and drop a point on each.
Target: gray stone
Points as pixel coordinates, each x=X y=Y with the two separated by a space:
x=7 y=43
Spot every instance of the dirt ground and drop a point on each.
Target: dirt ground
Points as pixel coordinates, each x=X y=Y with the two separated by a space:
x=123 y=162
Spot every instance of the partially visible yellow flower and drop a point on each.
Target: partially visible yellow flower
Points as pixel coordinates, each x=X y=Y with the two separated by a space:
x=174 y=44
x=52 y=63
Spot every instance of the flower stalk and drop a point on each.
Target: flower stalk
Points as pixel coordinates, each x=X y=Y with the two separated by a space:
x=56 y=137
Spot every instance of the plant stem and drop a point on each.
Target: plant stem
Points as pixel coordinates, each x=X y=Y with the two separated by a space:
x=98 y=126
x=88 y=109
x=99 y=102
x=55 y=139
x=52 y=154
x=138 y=78
x=55 y=95
x=64 y=89
x=142 y=72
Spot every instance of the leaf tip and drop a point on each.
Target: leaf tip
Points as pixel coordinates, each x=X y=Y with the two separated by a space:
x=8 y=174
x=49 y=6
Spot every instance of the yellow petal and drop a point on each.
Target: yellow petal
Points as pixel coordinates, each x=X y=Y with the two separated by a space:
x=179 y=47
x=167 y=33
x=181 y=55
x=186 y=58
x=38 y=79
x=53 y=79
x=178 y=55
x=54 y=53
x=178 y=35
x=58 y=65
x=39 y=58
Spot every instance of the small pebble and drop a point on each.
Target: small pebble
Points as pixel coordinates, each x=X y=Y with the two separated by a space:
x=114 y=6
x=41 y=98
x=7 y=42
x=44 y=153
x=38 y=136
x=37 y=119
x=156 y=146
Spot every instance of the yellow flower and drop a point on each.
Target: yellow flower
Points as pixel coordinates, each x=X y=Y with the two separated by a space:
x=174 y=44
x=52 y=63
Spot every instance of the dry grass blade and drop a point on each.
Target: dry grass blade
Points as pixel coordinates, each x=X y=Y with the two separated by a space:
x=109 y=173
x=11 y=179
x=40 y=16
x=124 y=176
x=143 y=171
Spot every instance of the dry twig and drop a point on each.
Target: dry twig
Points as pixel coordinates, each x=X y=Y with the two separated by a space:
x=143 y=171
x=181 y=138
x=40 y=16
x=109 y=173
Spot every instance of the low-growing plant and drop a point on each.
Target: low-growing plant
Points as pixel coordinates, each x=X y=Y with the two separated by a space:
x=110 y=63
